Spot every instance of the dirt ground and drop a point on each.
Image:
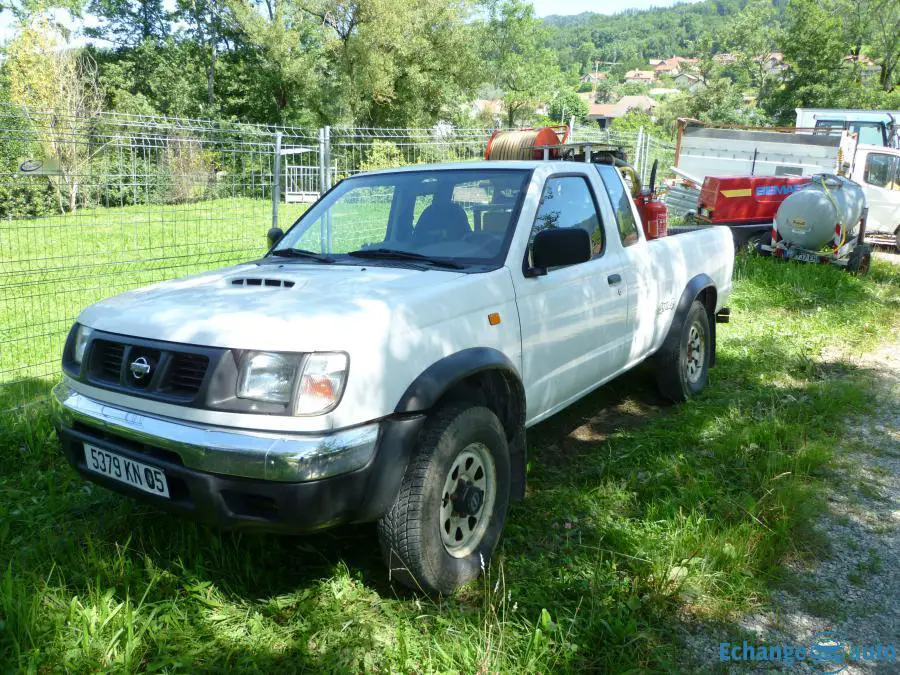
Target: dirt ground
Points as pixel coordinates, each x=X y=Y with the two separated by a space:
x=853 y=593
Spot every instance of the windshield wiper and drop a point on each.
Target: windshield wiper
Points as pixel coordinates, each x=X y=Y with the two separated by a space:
x=302 y=253
x=394 y=254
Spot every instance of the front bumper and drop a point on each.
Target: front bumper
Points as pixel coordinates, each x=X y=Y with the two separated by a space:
x=245 y=479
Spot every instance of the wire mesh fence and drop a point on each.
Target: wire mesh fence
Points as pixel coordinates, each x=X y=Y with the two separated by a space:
x=91 y=207
x=94 y=206
x=642 y=148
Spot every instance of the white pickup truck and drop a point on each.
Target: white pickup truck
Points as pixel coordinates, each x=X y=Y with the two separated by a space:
x=384 y=359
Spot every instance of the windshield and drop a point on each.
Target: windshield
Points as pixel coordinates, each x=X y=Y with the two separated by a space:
x=870 y=133
x=463 y=215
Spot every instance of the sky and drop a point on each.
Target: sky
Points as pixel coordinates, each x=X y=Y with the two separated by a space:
x=546 y=7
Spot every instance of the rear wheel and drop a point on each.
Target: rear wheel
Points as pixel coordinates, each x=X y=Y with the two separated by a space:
x=860 y=260
x=446 y=520
x=683 y=361
x=897 y=239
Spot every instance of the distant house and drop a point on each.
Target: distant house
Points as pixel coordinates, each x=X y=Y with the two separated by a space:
x=655 y=62
x=689 y=82
x=868 y=69
x=604 y=113
x=725 y=59
x=773 y=63
x=640 y=77
x=674 y=65
x=593 y=78
x=487 y=105
x=662 y=92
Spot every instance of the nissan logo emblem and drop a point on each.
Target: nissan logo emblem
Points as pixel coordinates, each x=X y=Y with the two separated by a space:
x=140 y=368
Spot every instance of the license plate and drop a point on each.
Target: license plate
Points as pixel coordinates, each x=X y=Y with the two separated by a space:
x=807 y=257
x=136 y=474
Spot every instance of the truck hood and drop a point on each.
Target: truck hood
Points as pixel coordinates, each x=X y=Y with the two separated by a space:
x=282 y=307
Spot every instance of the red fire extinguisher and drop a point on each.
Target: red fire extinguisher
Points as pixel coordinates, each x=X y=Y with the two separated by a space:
x=653 y=211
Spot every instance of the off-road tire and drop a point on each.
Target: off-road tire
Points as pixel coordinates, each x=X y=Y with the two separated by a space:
x=673 y=377
x=409 y=533
x=860 y=260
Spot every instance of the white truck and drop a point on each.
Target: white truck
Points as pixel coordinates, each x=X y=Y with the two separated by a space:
x=383 y=360
x=708 y=151
x=872 y=127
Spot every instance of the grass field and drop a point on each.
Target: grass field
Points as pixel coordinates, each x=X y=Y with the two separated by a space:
x=52 y=267
x=640 y=517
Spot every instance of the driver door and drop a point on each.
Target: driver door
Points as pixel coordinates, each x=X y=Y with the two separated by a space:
x=574 y=319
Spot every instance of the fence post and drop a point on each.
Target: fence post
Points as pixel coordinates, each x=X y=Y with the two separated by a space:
x=322 y=187
x=327 y=162
x=638 y=146
x=276 y=180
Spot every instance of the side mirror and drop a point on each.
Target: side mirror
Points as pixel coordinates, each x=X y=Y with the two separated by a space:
x=558 y=247
x=274 y=235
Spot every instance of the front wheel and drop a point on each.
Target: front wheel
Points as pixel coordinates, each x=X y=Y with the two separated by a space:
x=683 y=361
x=447 y=517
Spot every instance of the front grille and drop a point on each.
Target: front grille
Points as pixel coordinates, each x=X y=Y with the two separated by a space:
x=187 y=372
x=149 y=368
x=106 y=359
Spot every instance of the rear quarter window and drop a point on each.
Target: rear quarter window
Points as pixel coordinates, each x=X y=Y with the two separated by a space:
x=621 y=203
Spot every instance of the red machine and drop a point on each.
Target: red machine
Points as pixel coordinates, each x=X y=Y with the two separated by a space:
x=744 y=199
x=653 y=211
x=550 y=143
x=526 y=143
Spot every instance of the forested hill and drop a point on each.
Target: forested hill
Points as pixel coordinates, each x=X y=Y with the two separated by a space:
x=633 y=36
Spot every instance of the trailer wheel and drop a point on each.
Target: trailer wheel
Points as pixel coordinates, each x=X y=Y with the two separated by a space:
x=755 y=240
x=682 y=364
x=860 y=260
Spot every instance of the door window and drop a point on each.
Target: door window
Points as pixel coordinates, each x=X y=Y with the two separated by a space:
x=567 y=201
x=881 y=171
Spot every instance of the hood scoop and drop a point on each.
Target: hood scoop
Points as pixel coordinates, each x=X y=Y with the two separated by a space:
x=263 y=282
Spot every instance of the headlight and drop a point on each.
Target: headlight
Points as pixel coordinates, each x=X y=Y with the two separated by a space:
x=322 y=382
x=82 y=336
x=268 y=377
x=271 y=377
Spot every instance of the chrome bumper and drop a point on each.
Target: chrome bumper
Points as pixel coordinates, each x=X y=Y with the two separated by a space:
x=220 y=450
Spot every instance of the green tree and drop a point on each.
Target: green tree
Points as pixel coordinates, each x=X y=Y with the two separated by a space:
x=885 y=39
x=567 y=104
x=22 y=9
x=720 y=102
x=57 y=87
x=288 y=64
x=398 y=63
x=206 y=22
x=515 y=47
x=752 y=35
x=129 y=22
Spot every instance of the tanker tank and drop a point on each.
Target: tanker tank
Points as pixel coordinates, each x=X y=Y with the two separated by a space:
x=808 y=217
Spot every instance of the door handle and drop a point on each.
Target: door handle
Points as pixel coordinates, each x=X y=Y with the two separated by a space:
x=614 y=279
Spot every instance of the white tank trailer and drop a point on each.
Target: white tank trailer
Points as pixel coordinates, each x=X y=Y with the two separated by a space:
x=807 y=218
